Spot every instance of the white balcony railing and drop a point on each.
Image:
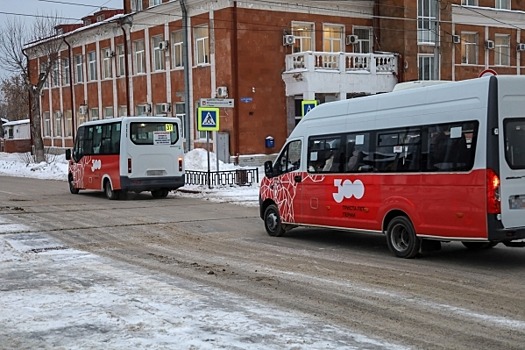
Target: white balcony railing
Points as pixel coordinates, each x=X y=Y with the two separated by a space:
x=339 y=73
x=342 y=62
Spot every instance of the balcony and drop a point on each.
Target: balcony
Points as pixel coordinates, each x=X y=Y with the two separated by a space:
x=341 y=73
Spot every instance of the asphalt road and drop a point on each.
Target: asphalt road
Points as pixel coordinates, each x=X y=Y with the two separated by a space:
x=451 y=299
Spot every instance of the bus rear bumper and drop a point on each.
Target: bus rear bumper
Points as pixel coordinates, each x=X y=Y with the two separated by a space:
x=151 y=183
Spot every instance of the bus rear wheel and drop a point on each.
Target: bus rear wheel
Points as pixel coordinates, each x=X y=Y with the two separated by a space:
x=162 y=193
x=72 y=187
x=110 y=194
x=272 y=221
x=401 y=238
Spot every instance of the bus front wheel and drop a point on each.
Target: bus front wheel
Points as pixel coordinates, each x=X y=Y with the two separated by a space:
x=401 y=238
x=110 y=194
x=72 y=187
x=272 y=221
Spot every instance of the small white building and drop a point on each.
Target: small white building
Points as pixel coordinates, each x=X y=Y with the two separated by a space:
x=17 y=130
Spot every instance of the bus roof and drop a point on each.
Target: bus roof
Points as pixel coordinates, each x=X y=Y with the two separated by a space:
x=141 y=118
x=398 y=108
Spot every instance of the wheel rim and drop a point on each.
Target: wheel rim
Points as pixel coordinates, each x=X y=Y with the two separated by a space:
x=401 y=238
x=272 y=221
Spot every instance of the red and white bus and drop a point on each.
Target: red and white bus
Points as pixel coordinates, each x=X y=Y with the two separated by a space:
x=425 y=165
x=125 y=154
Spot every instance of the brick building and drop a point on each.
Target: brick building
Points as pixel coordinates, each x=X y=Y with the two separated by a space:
x=165 y=57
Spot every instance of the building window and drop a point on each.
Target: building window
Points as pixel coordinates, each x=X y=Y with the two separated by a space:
x=47 y=124
x=469 y=48
x=177 y=38
x=55 y=73
x=140 y=59
x=108 y=112
x=68 y=127
x=202 y=47
x=92 y=64
x=469 y=2
x=107 y=56
x=79 y=76
x=427 y=21
x=58 y=123
x=121 y=61
x=143 y=109
x=154 y=2
x=364 y=41
x=180 y=113
x=427 y=67
x=157 y=53
x=93 y=114
x=122 y=111
x=304 y=34
x=503 y=4
x=502 y=50
x=333 y=36
x=65 y=71
x=136 y=5
x=43 y=68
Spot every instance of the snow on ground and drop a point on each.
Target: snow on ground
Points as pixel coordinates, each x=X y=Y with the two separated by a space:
x=52 y=296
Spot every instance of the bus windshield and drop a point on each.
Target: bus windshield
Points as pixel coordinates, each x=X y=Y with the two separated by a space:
x=154 y=133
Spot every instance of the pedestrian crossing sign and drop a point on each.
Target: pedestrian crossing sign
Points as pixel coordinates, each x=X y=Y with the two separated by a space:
x=208 y=119
x=307 y=106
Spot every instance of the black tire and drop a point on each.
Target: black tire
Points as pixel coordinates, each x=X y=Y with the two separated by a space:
x=110 y=194
x=162 y=193
x=272 y=221
x=72 y=187
x=401 y=238
x=479 y=245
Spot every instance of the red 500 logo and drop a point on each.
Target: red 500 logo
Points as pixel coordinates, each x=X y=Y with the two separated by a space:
x=347 y=189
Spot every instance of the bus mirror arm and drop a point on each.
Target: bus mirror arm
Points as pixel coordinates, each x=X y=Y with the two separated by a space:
x=68 y=154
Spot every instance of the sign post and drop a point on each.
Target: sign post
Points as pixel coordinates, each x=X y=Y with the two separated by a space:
x=208 y=120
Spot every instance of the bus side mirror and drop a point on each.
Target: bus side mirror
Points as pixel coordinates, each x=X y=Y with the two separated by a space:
x=268 y=168
x=68 y=154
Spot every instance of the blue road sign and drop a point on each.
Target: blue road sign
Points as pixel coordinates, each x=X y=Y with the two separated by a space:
x=307 y=106
x=208 y=119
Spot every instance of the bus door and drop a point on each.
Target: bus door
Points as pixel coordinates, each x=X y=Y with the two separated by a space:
x=512 y=172
x=286 y=184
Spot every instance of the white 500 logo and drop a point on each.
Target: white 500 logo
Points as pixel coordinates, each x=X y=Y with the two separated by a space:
x=96 y=164
x=347 y=189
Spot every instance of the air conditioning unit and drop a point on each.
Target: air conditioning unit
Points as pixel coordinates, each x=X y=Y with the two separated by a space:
x=520 y=47
x=222 y=91
x=489 y=44
x=288 y=40
x=456 y=39
x=83 y=109
x=109 y=54
x=164 y=45
x=352 y=39
x=165 y=107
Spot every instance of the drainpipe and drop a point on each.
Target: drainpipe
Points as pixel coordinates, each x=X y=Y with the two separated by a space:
x=235 y=79
x=73 y=118
x=186 y=59
x=125 y=25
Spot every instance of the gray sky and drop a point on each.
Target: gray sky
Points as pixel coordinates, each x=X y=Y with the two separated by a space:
x=71 y=10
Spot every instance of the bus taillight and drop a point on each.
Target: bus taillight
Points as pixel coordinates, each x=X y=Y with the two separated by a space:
x=180 y=163
x=129 y=165
x=493 y=193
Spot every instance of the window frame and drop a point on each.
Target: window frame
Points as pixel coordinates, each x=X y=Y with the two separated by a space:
x=201 y=37
x=92 y=66
x=139 y=57
x=467 y=45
